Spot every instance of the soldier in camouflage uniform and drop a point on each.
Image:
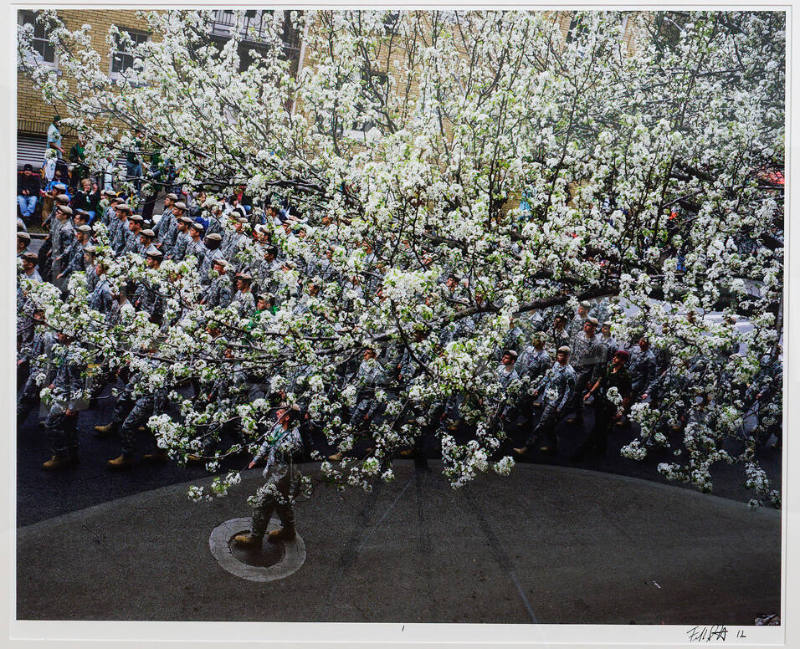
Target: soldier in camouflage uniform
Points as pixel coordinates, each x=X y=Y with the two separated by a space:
x=642 y=367
x=163 y=228
x=182 y=239
x=557 y=387
x=576 y=324
x=243 y=299
x=220 y=291
x=38 y=354
x=280 y=444
x=152 y=402
x=212 y=253
x=132 y=243
x=101 y=298
x=588 y=356
x=62 y=242
x=67 y=393
x=76 y=254
x=196 y=247
x=147 y=297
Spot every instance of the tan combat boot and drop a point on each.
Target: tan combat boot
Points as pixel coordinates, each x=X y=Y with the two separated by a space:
x=248 y=540
x=159 y=455
x=56 y=462
x=284 y=534
x=104 y=431
x=121 y=462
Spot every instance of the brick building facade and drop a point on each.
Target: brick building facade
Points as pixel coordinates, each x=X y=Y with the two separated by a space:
x=34 y=113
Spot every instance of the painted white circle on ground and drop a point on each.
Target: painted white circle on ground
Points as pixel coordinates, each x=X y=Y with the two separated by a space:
x=294 y=552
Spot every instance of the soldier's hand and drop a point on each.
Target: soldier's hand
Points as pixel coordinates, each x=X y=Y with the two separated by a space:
x=69 y=412
x=252 y=464
x=586 y=396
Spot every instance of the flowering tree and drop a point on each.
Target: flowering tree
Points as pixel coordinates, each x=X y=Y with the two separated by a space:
x=407 y=140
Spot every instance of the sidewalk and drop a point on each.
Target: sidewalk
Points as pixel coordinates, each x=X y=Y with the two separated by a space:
x=548 y=544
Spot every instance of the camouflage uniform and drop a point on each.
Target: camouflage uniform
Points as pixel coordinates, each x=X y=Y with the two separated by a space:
x=556 y=388
x=219 y=293
x=67 y=393
x=39 y=354
x=283 y=479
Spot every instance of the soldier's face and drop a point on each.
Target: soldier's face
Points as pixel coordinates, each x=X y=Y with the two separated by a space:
x=605 y=330
x=589 y=329
x=642 y=344
x=507 y=360
x=368 y=354
x=562 y=357
x=27 y=266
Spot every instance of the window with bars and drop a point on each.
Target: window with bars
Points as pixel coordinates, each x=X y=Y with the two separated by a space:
x=45 y=52
x=123 y=54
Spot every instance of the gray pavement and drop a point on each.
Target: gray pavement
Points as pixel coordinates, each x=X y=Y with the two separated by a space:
x=548 y=545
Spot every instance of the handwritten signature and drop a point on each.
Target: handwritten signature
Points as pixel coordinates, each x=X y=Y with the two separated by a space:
x=716 y=633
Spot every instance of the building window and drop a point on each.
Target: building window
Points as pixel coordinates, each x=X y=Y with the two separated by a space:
x=123 y=57
x=374 y=86
x=391 y=20
x=44 y=51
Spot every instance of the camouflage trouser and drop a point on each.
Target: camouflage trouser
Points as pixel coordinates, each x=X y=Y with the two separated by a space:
x=27 y=399
x=62 y=432
x=546 y=427
x=287 y=488
x=138 y=416
x=582 y=377
x=122 y=408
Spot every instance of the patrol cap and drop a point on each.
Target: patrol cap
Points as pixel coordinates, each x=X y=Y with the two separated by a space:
x=185 y=219
x=148 y=233
x=537 y=337
x=586 y=305
x=180 y=205
x=565 y=349
x=242 y=219
x=60 y=186
x=82 y=212
x=172 y=197
x=66 y=209
x=214 y=236
x=23 y=235
x=136 y=218
x=221 y=262
x=592 y=321
x=123 y=207
x=607 y=323
x=89 y=250
x=152 y=251
x=247 y=277
x=31 y=256
x=197 y=226
x=510 y=352
x=84 y=228
x=62 y=198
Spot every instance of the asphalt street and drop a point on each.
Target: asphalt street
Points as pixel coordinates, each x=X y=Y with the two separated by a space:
x=547 y=545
